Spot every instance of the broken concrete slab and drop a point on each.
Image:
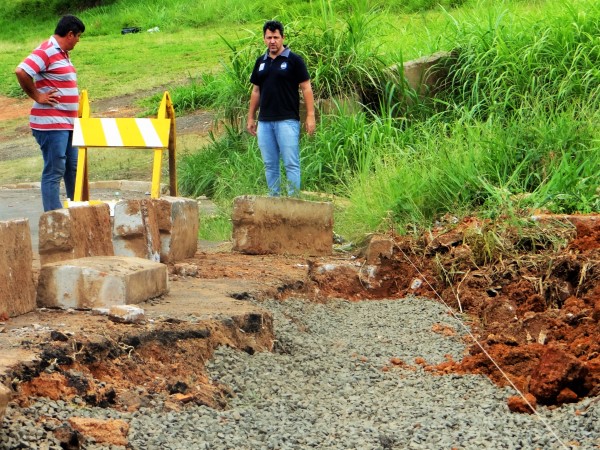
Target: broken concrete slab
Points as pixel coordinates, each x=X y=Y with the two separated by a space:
x=77 y=232
x=276 y=225
x=176 y=321
x=126 y=314
x=178 y=223
x=100 y=281
x=135 y=229
x=17 y=288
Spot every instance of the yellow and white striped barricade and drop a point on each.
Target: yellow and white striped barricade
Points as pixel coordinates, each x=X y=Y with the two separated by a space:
x=142 y=133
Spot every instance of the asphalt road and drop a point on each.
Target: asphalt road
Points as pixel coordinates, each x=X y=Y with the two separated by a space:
x=22 y=203
x=27 y=203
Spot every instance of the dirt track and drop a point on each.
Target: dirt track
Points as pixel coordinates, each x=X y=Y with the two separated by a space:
x=16 y=141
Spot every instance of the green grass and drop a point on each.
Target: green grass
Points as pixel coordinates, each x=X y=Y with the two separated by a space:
x=193 y=40
x=516 y=130
x=135 y=62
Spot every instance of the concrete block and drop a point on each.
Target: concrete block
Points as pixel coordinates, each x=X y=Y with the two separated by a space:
x=427 y=75
x=379 y=246
x=5 y=395
x=277 y=225
x=17 y=288
x=178 y=222
x=77 y=232
x=100 y=282
x=135 y=229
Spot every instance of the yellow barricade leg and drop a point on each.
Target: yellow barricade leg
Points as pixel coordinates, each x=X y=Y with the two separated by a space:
x=81 y=174
x=155 y=192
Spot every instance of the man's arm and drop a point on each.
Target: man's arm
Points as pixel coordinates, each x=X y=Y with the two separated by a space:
x=254 y=102
x=309 y=102
x=27 y=84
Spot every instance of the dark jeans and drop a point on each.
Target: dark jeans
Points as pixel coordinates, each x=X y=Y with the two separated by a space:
x=60 y=161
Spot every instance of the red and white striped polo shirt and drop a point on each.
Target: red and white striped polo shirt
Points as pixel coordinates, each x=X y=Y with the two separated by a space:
x=50 y=67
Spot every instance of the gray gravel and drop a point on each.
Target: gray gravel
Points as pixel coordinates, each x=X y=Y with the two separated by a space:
x=323 y=388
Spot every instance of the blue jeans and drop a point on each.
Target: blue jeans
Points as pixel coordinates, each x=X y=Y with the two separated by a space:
x=280 y=139
x=60 y=161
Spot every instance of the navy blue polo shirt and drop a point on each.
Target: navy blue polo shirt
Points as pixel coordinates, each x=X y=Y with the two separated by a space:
x=278 y=80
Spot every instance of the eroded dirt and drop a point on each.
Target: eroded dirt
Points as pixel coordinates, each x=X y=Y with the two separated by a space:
x=532 y=302
x=531 y=296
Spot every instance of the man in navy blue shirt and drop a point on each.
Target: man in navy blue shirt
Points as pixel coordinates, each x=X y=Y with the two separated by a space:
x=277 y=77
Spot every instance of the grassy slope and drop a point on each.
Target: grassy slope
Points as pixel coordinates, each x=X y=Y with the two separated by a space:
x=187 y=46
x=111 y=64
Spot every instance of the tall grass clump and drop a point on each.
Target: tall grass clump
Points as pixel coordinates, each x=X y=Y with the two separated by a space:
x=350 y=142
x=224 y=169
x=538 y=84
x=507 y=65
x=341 y=50
x=344 y=66
x=419 y=6
x=516 y=131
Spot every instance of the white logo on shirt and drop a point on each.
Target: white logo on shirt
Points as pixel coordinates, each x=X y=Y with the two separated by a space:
x=261 y=67
x=283 y=65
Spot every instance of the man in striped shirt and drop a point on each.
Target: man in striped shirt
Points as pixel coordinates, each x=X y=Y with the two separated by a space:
x=49 y=78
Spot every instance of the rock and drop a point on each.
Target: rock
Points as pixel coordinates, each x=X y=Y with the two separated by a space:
x=556 y=371
x=518 y=404
x=112 y=432
x=186 y=270
x=126 y=314
x=379 y=247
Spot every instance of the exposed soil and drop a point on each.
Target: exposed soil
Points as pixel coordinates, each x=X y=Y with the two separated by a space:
x=14 y=108
x=530 y=295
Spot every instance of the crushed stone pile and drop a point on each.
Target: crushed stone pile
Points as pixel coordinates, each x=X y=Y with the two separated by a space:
x=342 y=375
